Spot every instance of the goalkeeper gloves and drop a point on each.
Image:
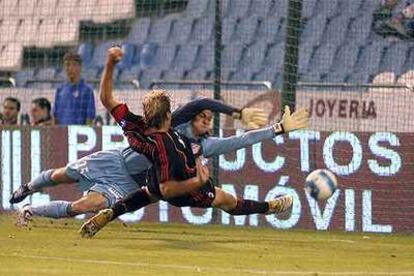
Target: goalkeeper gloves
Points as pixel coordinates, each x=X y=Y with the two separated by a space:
x=290 y=122
x=251 y=117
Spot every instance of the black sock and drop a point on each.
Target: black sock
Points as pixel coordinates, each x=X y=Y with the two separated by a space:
x=132 y=202
x=247 y=207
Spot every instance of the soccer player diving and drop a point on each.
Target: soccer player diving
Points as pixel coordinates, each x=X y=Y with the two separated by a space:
x=177 y=175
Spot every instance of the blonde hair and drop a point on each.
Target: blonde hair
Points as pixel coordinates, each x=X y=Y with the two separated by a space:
x=157 y=105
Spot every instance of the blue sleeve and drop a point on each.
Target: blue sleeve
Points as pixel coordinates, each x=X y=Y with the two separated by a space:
x=213 y=146
x=187 y=112
x=91 y=110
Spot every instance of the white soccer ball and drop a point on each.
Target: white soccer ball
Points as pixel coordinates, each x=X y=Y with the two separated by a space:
x=321 y=184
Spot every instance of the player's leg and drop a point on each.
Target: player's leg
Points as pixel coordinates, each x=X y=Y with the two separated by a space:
x=91 y=202
x=45 y=179
x=134 y=201
x=238 y=206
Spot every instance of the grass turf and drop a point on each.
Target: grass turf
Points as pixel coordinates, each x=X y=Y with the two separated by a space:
x=53 y=247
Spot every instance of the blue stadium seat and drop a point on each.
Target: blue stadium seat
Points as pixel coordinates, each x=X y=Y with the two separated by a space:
x=197 y=8
x=369 y=60
x=85 y=50
x=128 y=58
x=146 y=56
x=359 y=29
x=23 y=76
x=266 y=74
x=323 y=59
x=308 y=8
x=350 y=8
x=336 y=30
x=254 y=56
x=246 y=30
x=270 y=29
x=197 y=74
x=306 y=50
x=274 y=57
x=181 y=30
x=164 y=56
x=311 y=76
x=161 y=28
x=174 y=75
x=395 y=57
x=314 y=29
x=280 y=8
x=228 y=29
x=261 y=8
x=237 y=8
x=345 y=60
x=130 y=74
x=243 y=74
x=46 y=74
x=203 y=30
x=186 y=56
x=139 y=31
x=205 y=58
x=231 y=56
x=327 y=8
x=148 y=75
x=90 y=73
x=99 y=55
x=409 y=63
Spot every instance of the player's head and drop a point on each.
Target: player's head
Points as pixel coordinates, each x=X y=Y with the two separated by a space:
x=40 y=110
x=201 y=123
x=11 y=109
x=157 y=109
x=72 y=63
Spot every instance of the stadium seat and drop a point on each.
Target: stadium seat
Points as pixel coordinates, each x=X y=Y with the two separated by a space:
x=327 y=8
x=46 y=74
x=409 y=63
x=369 y=59
x=336 y=30
x=196 y=74
x=161 y=28
x=203 y=30
x=308 y=8
x=76 y=10
x=100 y=53
x=274 y=57
x=237 y=8
x=306 y=50
x=85 y=50
x=26 y=32
x=359 y=30
x=128 y=75
x=314 y=29
x=174 y=75
x=109 y=10
x=164 y=56
x=148 y=75
x=231 y=56
x=186 y=56
x=280 y=8
x=68 y=34
x=23 y=76
x=205 y=58
x=395 y=57
x=47 y=31
x=7 y=8
x=254 y=56
x=146 y=56
x=46 y=8
x=139 y=31
x=24 y=9
x=266 y=74
x=197 y=8
x=261 y=8
x=246 y=30
x=243 y=74
x=8 y=29
x=350 y=8
x=228 y=29
x=323 y=59
x=181 y=30
x=345 y=60
x=270 y=29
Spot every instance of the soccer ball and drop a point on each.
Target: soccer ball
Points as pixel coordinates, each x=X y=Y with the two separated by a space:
x=321 y=184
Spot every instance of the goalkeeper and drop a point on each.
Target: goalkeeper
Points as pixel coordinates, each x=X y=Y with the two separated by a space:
x=179 y=195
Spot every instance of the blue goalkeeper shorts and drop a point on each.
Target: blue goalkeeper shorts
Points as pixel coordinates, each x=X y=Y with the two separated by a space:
x=103 y=172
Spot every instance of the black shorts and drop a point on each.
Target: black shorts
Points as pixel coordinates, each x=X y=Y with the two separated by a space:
x=201 y=198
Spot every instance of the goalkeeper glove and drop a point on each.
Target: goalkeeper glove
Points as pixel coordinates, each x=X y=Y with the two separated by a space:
x=290 y=122
x=251 y=117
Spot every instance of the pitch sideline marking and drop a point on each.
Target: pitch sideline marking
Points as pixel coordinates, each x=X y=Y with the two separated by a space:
x=204 y=269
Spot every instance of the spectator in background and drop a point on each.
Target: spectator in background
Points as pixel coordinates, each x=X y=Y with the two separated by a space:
x=74 y=100
x=40 y=112
x=10 y=113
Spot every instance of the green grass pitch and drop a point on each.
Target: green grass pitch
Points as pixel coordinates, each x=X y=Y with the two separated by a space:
x=53 y=247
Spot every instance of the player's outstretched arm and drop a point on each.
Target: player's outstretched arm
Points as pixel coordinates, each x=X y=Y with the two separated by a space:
x=105 y=90
x=251 y=117
x=215 y=146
